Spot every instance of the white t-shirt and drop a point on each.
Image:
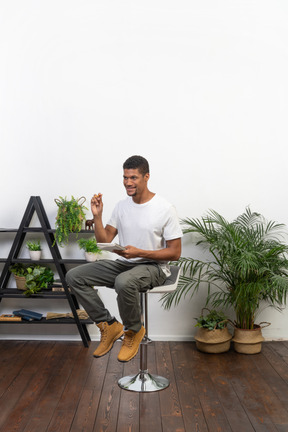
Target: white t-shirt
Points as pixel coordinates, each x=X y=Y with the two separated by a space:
x=146 y=226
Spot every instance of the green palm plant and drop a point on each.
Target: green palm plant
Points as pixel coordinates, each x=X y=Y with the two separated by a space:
x=247 y=265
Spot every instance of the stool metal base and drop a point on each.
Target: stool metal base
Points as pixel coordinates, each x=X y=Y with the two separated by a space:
x=143 y=382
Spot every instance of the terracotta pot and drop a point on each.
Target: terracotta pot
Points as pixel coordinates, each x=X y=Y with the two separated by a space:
x=248 y=341
x=213 y=341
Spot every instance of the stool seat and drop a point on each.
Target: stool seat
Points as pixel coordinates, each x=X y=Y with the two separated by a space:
x=144 y=381
x=170 y=283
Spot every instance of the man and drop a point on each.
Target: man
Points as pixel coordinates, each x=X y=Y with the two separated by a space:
x=148 y=227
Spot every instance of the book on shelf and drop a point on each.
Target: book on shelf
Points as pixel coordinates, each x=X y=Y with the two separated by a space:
x=28 y=315
x=58 y=289
x=10 y=317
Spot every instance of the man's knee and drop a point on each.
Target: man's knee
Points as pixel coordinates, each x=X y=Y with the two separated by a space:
x=124 y=283
x=71 y=276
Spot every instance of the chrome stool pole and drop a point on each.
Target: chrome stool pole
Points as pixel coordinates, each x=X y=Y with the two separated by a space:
x=143 y=381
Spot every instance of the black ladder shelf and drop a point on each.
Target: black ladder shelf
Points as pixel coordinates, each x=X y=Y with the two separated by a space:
x=35 y=205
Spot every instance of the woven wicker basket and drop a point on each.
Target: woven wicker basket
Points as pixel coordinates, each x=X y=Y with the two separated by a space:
x=20 y=282
x=213 y=341
x=248 y=341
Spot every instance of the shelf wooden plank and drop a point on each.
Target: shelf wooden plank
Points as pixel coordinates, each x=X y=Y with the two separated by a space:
x=46 y=261
x=50 y=321
x=30 y=261
x=40 y=229
x=15 y=293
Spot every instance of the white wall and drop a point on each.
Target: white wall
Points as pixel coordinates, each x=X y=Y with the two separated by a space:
x=198 y=87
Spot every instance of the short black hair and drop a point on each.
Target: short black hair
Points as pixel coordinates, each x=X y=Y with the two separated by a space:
x=137 y=162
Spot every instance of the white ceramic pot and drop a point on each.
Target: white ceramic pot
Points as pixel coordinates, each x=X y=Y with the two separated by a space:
x=90 y=256
x=35 y=255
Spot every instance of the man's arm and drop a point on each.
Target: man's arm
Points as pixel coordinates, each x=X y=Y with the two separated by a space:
x=103 y=235
x=172 y=252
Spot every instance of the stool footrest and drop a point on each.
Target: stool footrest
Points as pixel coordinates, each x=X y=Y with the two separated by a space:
x=143 y=382
x=146 y=340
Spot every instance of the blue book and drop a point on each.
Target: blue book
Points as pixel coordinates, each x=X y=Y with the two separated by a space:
x=28 y=315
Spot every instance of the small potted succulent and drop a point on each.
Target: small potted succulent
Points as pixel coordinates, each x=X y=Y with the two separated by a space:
x=212 y=334
x=35 y=249
x=90 y=247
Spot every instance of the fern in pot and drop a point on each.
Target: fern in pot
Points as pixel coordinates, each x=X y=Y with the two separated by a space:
x=69 y=219
x=247 y=267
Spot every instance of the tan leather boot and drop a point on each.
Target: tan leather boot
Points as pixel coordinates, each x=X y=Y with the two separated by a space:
x=130 y=345
x=109 y=334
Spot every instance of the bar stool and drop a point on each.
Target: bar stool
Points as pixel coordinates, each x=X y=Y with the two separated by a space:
x=143 y=381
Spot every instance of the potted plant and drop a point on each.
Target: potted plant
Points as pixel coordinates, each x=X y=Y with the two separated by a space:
x=38 y=278
x=19 y=271
x=90 y=247
x=69 y=218
x=33 y=278
x=246 y=267
x=212 y=333
x=35 y=250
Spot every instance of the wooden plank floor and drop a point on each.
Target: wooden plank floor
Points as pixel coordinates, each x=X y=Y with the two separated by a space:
x=59 y=387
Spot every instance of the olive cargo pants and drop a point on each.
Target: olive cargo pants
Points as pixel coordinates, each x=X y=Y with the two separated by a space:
x=126 y=278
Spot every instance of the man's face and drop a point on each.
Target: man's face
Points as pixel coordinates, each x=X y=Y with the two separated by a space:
x=134 y=182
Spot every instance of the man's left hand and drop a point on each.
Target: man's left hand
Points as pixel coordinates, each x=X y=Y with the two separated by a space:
x=129 y=252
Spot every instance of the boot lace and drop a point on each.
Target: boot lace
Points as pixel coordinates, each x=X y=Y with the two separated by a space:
x=129 y=337
x=104 y=332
